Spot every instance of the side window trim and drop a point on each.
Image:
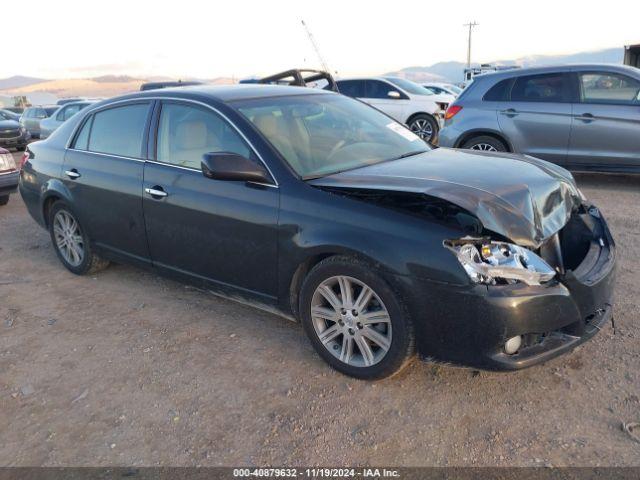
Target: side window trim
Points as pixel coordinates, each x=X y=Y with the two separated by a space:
x=90 y=116
x=153 y=101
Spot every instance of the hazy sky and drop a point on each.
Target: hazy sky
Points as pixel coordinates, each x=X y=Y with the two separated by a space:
x=65 y=38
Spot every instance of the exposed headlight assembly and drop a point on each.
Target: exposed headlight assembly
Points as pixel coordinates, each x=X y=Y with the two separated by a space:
x=487 y=262
x=7 y=162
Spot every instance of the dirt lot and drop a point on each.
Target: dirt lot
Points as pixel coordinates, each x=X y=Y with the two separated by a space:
x=127 y=368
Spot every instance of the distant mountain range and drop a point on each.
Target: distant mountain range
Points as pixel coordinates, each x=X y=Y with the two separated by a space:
x=109 y=85
x=47 y=91
x=453 y=71
x=18 y=81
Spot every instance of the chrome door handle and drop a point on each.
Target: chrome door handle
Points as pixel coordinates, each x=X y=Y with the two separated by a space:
x=509 y=112
x=156 y=192
x=72 y=174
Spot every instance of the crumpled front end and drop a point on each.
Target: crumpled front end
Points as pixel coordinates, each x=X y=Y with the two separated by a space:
x=513 y=325
x=520 y=198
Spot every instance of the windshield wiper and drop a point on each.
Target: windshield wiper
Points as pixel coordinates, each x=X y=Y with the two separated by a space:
x=409 y=154
x=404 y=155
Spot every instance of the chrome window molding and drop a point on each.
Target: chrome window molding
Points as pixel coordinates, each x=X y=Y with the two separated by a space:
x=92 y=111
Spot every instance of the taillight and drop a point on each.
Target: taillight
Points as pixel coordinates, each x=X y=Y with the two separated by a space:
x=451 y=111
x=23 y=160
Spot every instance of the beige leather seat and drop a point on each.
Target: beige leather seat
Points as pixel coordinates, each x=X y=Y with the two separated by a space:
x=191 y=141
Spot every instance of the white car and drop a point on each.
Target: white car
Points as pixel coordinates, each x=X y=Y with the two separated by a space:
x=64 y=113
x=443 y=88
x=403 y=100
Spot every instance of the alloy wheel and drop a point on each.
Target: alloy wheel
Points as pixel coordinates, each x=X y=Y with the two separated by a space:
x=68 y=238
x=422 y=128
x=351 y=321
x=485 y=147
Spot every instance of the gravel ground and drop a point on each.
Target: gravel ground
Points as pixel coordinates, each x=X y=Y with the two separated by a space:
x=127 y=368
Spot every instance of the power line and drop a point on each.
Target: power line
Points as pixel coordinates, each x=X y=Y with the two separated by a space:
x=470 y=25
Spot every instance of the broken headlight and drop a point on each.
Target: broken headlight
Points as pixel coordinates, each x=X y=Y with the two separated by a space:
x=490 y=262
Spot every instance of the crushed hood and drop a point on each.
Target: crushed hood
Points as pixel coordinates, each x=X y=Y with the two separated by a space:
x=522 y=198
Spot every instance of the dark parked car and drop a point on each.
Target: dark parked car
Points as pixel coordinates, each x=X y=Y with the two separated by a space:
x=31 y=117
x=12 y=133
x=158 y=85
x=315 y=206
x=64 y=101
x=583 y=117
x=9 y=176
x=8 y=113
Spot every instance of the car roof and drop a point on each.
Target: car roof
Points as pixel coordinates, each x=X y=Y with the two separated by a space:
x=81 y=102
x=225 y=93
x=516 y=72
x=366 y=78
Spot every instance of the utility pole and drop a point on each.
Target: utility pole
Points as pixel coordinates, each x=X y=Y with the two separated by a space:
x=470 y=25
x=325 y=67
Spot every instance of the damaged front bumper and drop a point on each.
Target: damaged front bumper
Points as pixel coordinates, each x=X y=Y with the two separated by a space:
x=470 y=325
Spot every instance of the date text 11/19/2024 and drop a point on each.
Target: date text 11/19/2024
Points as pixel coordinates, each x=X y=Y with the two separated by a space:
x=317 y=472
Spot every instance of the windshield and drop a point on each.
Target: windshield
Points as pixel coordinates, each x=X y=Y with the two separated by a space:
x=455 y=89
x=409 y=86
x=323 y=134
x=50 y=110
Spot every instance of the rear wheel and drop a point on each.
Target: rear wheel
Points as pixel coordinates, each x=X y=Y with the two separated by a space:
x=354 y=320
x=71 y=242
x=425 y=126
x=4 y=199
x=485 y=143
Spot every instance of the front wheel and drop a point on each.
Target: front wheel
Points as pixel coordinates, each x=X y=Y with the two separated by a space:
x=485 y=143
x=354 y=320
x=425 y=126
x=71 y=243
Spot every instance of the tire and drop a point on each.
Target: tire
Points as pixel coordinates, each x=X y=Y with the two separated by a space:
x=387 y=345
x=84 y=260
x=425 y=126
x=4 y=199
x=485 y=143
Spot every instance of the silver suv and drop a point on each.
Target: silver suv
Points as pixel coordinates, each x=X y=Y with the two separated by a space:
x=583 y=117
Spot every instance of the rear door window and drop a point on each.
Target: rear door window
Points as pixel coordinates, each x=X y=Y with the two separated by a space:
x=609 y=88
x=119 y=130
x=551 y=87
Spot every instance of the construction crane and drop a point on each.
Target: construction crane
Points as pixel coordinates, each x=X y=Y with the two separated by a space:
x=325 y=67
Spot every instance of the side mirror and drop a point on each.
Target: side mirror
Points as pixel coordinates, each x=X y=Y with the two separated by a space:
x=394 y=94
x=231 y=166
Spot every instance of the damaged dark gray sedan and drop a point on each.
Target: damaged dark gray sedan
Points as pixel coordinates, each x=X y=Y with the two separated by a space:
x=319 y=208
